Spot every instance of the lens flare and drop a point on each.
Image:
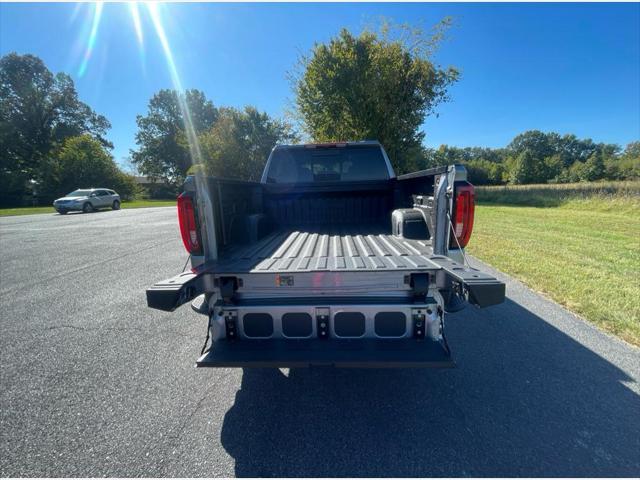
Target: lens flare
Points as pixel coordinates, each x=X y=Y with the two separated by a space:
x=192 y=138
x=137 y=24
x=74 y=14
x=97 y=13
x=135 y=15
x=206 y=207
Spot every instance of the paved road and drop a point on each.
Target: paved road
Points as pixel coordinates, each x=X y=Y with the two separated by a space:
x=94 y=383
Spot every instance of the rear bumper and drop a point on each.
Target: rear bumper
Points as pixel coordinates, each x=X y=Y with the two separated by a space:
x=361 y=353
x=68 y=208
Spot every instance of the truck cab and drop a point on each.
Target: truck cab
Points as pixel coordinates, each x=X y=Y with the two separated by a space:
x=331 y=259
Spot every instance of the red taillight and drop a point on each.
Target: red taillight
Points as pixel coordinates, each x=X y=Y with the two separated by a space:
x=188 y=225
x=463 y=211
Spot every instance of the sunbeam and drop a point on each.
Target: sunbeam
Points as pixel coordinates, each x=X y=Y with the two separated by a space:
x=97 y=13
x=192 y=138
x=134 y=10
x=135 y=15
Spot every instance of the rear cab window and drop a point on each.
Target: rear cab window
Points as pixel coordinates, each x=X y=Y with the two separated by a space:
x=317 y=164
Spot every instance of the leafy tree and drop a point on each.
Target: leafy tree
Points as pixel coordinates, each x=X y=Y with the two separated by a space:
x=553 y=167
x=163 y=149
x=632 y=150
x=571 y=149
x=627 y=166
x=82 y=161
x=540 y=145
x=239 y=143
x=524 y=169
x=373 y=86
x=38 y=111
x=593 y=168
x=484 y=172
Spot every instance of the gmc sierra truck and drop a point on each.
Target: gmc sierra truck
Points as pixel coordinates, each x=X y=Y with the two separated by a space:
x=331 y=259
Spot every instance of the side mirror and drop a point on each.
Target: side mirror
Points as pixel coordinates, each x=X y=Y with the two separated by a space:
x=93 y=195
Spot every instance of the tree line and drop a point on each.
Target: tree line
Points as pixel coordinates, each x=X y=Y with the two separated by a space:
x=380 y=84
x=539 y=157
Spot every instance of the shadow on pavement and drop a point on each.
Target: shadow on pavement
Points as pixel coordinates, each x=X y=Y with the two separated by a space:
x=525 y=399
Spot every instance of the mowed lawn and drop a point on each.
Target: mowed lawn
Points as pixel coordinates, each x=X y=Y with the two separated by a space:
x=583 y=253
x=5 y=212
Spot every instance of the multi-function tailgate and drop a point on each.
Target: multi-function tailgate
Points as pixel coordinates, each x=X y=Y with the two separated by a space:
x=476 y=287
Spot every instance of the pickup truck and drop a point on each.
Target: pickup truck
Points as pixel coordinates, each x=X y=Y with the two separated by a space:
x=331 y=259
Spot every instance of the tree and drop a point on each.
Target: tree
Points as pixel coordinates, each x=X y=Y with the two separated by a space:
x=524 y=169
x=553 y=167
x=593 y=168
x=539 y=144
x=571 y=149
x=373 y=86
x=484 y=172
x=38 y=111
x=627 y=166
x=239 y=143
x=83 y=161
x=163 y=148
x=632 y=150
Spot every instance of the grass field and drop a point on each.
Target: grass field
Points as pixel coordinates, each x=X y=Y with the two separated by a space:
x=579 y=244
x=5 y=212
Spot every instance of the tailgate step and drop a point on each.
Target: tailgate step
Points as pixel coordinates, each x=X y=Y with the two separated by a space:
x=362 y=353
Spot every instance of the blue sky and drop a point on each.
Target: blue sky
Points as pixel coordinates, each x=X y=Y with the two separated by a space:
x=570 y=68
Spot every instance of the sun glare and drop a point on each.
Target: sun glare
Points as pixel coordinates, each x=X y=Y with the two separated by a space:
x=154 y=11
x=97 y=14
x=135 y=15
x=192 y=137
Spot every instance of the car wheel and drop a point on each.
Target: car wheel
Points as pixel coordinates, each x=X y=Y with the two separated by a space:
x=87 y=207
x=116 y=205
x=62 y=212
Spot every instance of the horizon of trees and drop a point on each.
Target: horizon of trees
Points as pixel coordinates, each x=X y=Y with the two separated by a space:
x=376 y=85
x=538 y=157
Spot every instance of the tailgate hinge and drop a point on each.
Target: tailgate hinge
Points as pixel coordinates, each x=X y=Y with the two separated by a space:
x=228 y=287
x=419 y=283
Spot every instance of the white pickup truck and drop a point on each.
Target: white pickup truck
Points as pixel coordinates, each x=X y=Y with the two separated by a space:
x=331 y=259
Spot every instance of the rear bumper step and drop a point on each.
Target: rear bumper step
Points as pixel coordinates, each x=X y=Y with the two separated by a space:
x=361 y=353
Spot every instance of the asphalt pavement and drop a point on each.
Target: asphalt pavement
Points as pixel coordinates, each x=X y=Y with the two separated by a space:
x=93 y=383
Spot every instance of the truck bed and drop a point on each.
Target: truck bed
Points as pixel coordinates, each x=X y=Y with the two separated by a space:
x=313 y=249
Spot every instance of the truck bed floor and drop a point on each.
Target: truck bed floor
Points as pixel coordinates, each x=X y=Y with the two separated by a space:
x=308 y=249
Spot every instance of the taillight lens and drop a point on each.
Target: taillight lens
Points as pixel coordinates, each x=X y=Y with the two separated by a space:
x=188 y=226
x=463 y=211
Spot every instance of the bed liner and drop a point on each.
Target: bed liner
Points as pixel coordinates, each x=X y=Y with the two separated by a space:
x=310 y=249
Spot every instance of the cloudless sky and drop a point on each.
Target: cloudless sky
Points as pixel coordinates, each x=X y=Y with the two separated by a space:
x=570 y=68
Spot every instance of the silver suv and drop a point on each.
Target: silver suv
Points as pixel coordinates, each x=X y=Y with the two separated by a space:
x=87 y=200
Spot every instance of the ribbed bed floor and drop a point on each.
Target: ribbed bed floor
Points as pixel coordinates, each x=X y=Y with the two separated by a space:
x=306 y=250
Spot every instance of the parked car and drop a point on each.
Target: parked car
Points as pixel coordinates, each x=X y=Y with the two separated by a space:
x=87 y=200
x=331 y=259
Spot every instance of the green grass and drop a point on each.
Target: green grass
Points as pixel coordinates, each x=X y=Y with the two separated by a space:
x=5 y=212
x=148 y=203
x=583 y=251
